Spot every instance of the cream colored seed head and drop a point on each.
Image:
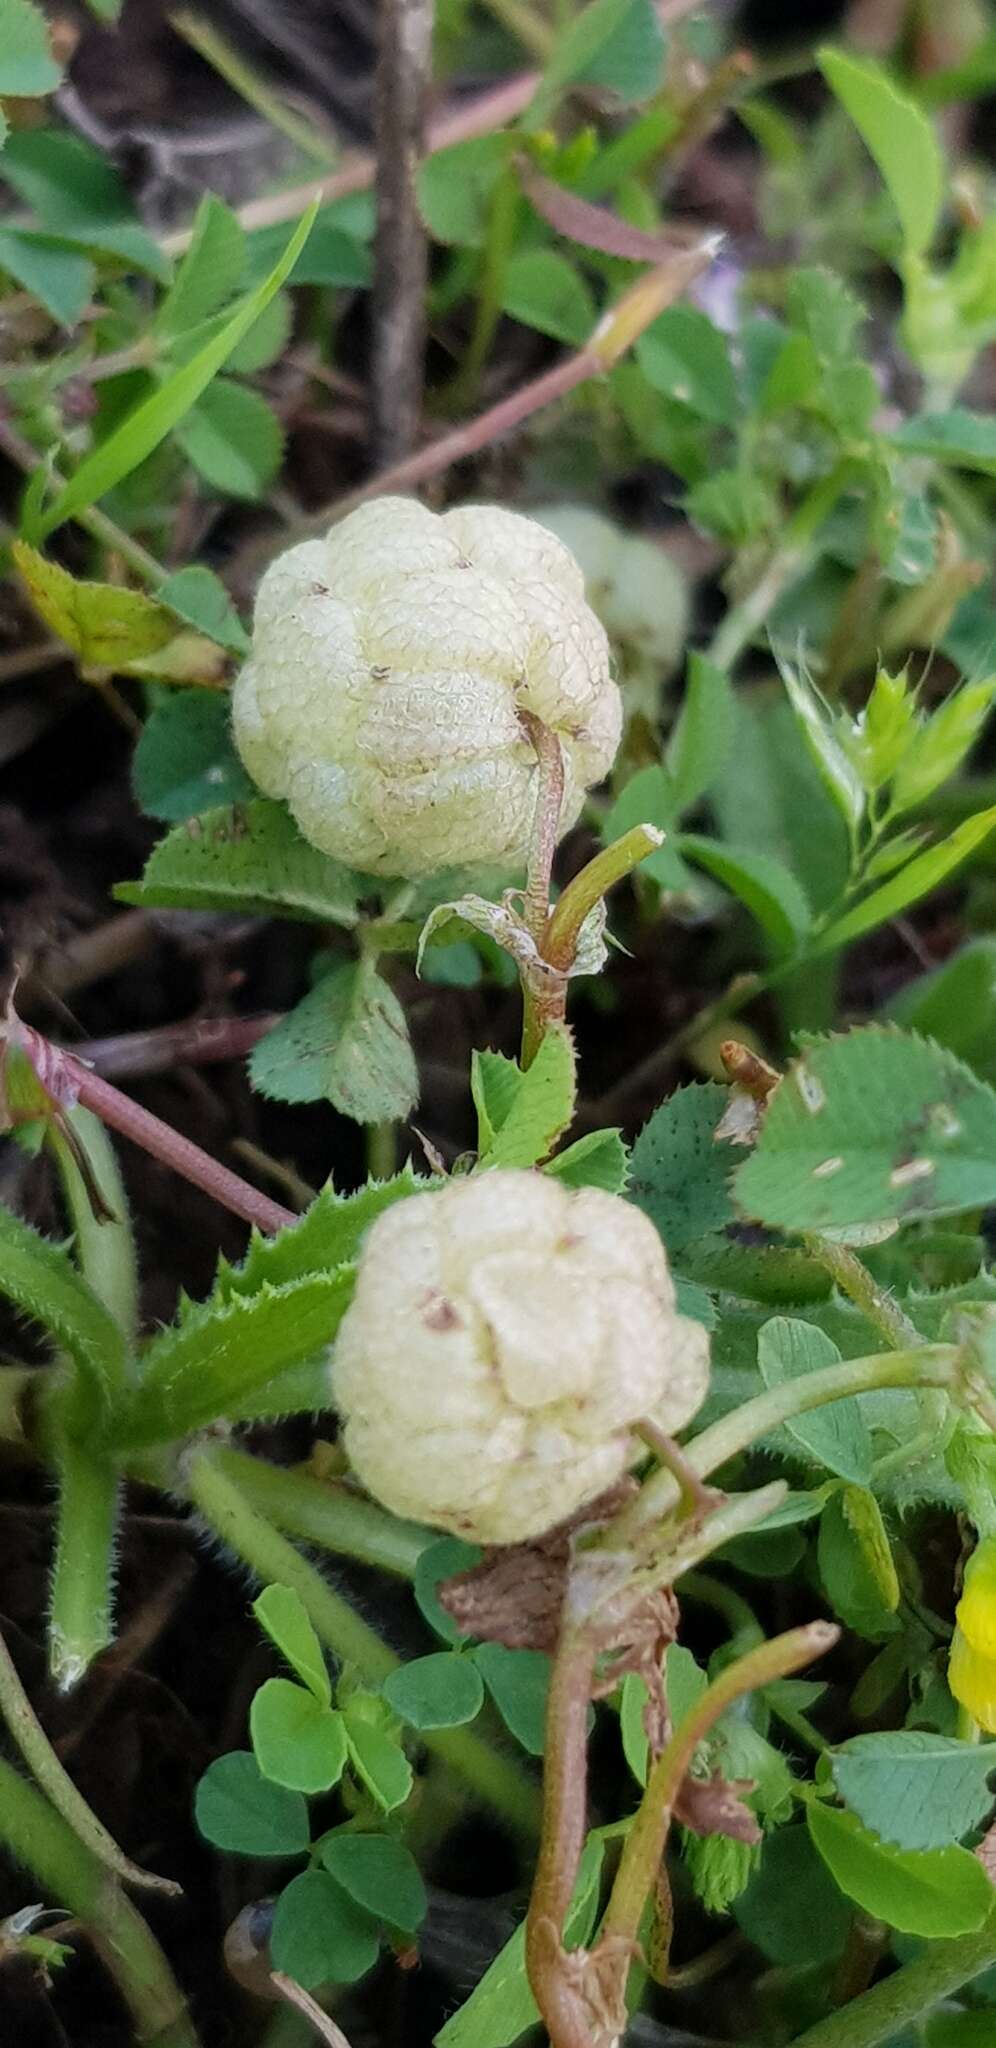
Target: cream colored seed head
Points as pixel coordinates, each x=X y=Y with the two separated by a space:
x=390 y=662
x=505 y=1335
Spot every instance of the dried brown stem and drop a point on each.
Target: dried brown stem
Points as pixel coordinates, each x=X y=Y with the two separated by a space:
x=404 y=65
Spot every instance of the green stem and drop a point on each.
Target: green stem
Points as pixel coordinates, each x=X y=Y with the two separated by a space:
x=40 y=1757
x=222 y=1505
x=745 y=619
x=854 y=1280
x=105 y=1250
x=931 y=1365
x=330 y=1515
x=882 y=2013
x=588 y=888
x=80 y=1614
x=382 y=1150
x=647 y=1838
x=505 y=207
x=39 y=1838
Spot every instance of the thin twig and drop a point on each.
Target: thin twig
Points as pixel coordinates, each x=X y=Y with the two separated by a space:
x=476 y=117
x=197 y=1041
x=613 y=336
x=404 y=65
x=33 y=1743
x=68 y=1081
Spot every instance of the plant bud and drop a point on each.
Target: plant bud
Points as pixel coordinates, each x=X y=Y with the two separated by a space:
x=505 y=1336
x=390 y=663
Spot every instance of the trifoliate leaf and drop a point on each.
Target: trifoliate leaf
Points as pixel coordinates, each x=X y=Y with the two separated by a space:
x=868 y=1126
x=347 y=1041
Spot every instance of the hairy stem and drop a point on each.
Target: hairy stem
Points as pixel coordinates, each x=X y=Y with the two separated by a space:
x=647 y=1838
x=70 y=1082
x=854 y=1280
x=80 y=1622
x=326 y=1514
x=38 y=1754
x=931 y=1365
x=565 y=1782
x=105 y=1248
x=882 y=2013
x=223 y=1506
x=39 y=1838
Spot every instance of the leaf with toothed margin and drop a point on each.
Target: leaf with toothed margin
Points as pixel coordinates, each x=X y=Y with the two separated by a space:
x=867 y=1126
x=225 y=1351
x=327 y=1235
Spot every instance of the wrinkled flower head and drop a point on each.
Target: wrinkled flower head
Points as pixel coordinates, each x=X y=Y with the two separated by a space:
x=505 y=1335
x=390 y=663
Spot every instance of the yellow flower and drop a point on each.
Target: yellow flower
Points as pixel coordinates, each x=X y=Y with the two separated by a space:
x=976 y=1612
x=972 y=1679
x=972 y=1664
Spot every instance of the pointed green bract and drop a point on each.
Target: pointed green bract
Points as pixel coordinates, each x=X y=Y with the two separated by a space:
x=40 y=1279
x=520 y=1114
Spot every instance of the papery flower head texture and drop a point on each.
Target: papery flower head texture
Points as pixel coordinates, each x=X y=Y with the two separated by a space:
x=505 y=1336
x=389 y=667
x=972 y=1664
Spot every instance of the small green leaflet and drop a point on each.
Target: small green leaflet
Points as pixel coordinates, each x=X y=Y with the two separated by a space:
x=613 y=43
x=700 y=744
x=62 y=280
x=282 y=1613
x=966 y=439
x=685 y=356
x=233 y=438
x=319 y=1936
x=297 y=1742
x=442 y=1690
x=543 y=289
x=868 y=1126
x=679 y=1175
x=442 y=1560
x=837 y=1435
x=210 y=271
x=518 y=1681
x=377 y=1760
x=856 y=1564
x=79 y=197
x=185 y=760
x=27 y=66
x=199 y=597
x=380 y=1875
x=455 y=186
x=916 y=1789
x=930 y=1892
x=598 y=1160
x=154 y=418
x=238 y=1809
x=521 y=1115
x=767 y=889
x=247 y=857
x=900 y=138
x=501 y=2007
x=792 y=1910
x=347 y=1041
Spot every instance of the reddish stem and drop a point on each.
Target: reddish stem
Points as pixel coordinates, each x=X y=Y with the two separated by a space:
x=67 y=1080
x=196 y=1041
